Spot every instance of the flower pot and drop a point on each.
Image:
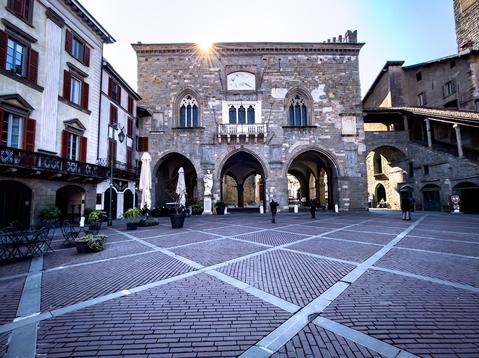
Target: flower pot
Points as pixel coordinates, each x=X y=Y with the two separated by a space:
x=94 y=227
x=220 y=209
x=177 y=221
x=82 y=247
x=131 y=226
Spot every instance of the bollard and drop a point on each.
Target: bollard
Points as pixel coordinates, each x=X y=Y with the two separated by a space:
x=261 y=209
x=295 y=208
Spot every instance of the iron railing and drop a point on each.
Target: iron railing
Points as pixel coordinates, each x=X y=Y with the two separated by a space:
x=118 y=166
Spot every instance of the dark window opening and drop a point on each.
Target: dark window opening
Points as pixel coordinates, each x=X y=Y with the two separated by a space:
x=419 y=76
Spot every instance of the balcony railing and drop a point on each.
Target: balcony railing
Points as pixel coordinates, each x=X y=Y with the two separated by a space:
x=120 y=168
x=28 y=162
x=245 y=130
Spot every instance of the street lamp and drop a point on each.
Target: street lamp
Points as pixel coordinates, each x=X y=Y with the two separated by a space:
x=121 y=137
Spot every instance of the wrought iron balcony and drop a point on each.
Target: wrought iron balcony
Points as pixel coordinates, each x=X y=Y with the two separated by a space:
x=120 y=169
x=242 y=130
x=20 y=163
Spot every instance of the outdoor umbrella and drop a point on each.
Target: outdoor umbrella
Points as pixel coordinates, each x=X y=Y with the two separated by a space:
x=181 y=187
x=145 y=181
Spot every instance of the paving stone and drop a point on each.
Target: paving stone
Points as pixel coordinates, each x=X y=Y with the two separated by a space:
x=314 y=342
x=294 y=277
x=70 y=256
x=14 y=268
x=3 y=343
x=182 y=306
x=210 y=253
x=345 y=250
x=446 y=267
x=188 y=237
x=372 y=238
x=421 y=317
x=453 y=247
x=10 y=294
x=309 y=230
x=270 y=237
x=232 y=230
x=72 y=285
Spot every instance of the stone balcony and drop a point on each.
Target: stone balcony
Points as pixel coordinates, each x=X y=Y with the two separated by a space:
x=237 y=131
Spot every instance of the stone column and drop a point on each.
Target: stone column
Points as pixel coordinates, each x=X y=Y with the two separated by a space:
x=460 y=153
x=240 y=190
x=406 y=123
x=428 y=131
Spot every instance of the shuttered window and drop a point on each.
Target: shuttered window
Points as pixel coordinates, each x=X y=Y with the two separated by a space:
x=76 y=47
x=21 y=8
x=75 y=90
x=74 y=146
x=18 y=58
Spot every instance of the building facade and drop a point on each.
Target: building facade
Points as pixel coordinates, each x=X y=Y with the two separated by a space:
x=252 y=114
x=466 y=13
x=118 y=110
x=50 y=76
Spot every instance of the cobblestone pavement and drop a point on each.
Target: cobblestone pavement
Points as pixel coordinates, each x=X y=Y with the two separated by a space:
x=343 y=285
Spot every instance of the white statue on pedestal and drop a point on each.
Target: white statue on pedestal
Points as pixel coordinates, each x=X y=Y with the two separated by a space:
x=208 y=181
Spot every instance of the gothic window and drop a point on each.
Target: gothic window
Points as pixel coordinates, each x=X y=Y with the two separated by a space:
x=232 y=115
x=241 y=115
x=298 y=112
x=250 y=115
x=189 y=112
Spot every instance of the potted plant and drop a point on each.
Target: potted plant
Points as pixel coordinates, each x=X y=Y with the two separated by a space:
x=148 y=222
x=132 y=218
x=220 y=208
x=178 y=218
x=90 y=243
x=196 y=209
x=94 y=219
x=50 y=215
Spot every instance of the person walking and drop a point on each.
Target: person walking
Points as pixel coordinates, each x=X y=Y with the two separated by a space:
x=406 y=206
x=312 y=208
x=273 y=205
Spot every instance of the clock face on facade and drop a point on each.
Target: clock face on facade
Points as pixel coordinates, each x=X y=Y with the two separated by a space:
x=241 y=81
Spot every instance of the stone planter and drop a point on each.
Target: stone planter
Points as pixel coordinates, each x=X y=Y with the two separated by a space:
x=177 y=221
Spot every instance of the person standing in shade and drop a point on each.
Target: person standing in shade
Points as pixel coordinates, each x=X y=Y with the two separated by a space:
x=273 y=205
x=312 y=208
x=406 y=206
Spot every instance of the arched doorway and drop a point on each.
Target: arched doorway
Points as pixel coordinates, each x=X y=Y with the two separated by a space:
x=15 y=203
x=469 y=193
x=70 y=199
x=248 y=174
x=387 y=166
x=431 y=197
x=127 y=200
x=317 y=177
x=381 y=197
x=106 y=206
x=167 y=177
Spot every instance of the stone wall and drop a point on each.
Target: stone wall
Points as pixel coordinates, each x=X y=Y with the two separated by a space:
x=327 y=75
x=467 y=24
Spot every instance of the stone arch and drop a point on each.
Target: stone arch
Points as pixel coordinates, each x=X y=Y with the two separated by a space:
x=161 y=157
x=323 y=167
x=166 y=171
x=387 y=165
x=469 y=194
x=241 y=165
x=15 y=203
x=187 y=91
x=380 y=194
x=235 y=151
x=70 y=200
x=308 y=101
x=303 y=149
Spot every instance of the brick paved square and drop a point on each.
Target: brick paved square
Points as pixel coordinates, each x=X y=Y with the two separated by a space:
x=14 y=268
x=72 y=285
x=446 y=267
x=232 y=230
x=379 y=229
x=423 y=318
x=450 y=234
x=10 y=293
x=350 y=234
x=294 y=277
x=344 y=250
x=187 y=237
x=3 y=343
x=211 y=253
x=193 y=315
x=314 y=341
x=309 y=230
x=70 y=256
x=453 y=247
x=273 y=238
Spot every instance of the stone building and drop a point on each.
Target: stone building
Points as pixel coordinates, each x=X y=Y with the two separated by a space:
x=118 y=110
x=50 y=74
x=261 y=110
x=422 y=125
x=466 y=13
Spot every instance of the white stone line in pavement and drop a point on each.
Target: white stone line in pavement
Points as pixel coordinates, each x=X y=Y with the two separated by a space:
x=267 y=297
x=441 y=239
x=428 y=279
x=281 y=335
x=354 y=263
x=436 y=252
x=451 y=231
x=370 y=232
x=355 y=241
x=369 y=342
x=23 y=341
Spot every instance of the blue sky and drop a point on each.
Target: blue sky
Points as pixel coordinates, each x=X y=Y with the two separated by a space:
x=410 y=30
